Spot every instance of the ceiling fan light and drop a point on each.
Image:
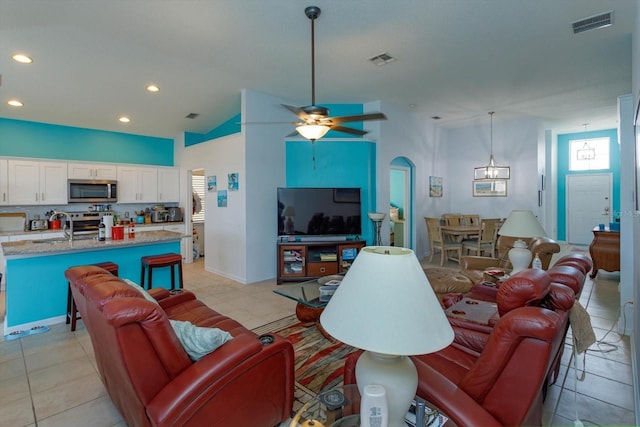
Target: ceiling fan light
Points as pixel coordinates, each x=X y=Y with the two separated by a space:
x=312 y=132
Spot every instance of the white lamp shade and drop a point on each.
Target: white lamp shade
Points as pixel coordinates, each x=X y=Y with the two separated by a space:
x=386 y=304
x=312 y=132
x=522 y=223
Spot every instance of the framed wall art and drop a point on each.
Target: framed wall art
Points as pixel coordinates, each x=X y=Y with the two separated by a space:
x=435 y=186
x=490 y=188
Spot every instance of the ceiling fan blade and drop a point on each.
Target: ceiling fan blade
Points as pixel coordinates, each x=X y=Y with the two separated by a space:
x=297 y=111
x=349 y=130
x=358 y=118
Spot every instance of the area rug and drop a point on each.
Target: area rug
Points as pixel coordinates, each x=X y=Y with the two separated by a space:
x=318 y=361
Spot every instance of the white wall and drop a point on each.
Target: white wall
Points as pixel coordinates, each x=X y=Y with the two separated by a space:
x=224 y=230
x=240 y=239
x=265 y=171
x=635 y=227
x=515 y=144
x=406 y=135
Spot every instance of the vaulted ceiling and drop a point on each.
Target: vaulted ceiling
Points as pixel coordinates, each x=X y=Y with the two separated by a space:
x=456 y=59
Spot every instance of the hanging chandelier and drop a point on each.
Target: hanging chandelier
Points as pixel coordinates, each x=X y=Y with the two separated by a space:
x=586 y=152
x=491 y=170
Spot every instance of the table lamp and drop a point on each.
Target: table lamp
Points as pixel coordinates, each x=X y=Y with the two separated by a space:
x=521 y=223
x=386 y=306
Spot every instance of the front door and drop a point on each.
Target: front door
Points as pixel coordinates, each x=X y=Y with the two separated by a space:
x=588 y=204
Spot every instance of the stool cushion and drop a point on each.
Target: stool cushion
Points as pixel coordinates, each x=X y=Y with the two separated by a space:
x=163 y=259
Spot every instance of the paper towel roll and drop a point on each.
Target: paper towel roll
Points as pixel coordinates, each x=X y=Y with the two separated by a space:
x=108 y=224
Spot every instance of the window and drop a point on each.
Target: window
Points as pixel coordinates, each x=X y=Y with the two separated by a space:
x=589 y=154
x=197 y=182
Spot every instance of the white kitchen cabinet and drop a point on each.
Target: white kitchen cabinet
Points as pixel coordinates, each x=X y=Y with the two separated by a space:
x=96 y=171
x=37 y=183
x=137 y=184
x=4 y=182
x=168 y=185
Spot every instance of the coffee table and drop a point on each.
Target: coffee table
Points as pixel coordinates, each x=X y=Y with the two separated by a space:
x=310 y=304
x=340 y=407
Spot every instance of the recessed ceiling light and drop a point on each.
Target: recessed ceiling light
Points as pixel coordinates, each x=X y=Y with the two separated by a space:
x=15 y=103
x=22 y=58
x=153 y=88
x=124 y=119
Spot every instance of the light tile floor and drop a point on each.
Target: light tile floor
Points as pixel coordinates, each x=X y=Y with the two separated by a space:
x=50 y=379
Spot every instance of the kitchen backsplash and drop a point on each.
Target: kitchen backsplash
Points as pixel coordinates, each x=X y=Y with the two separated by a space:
x=38 y=212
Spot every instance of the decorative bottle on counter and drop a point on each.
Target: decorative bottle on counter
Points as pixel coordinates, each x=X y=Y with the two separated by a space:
x=132 y=230
x=101 y=231
x=537 y=262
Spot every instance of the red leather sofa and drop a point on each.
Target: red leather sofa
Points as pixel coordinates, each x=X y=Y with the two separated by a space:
x=151 y=379
x=502 y=385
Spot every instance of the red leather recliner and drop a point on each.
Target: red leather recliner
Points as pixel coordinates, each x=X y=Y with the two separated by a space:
x=151 y=379
x=502 y=386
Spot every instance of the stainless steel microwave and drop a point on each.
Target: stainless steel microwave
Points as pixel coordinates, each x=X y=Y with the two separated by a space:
x=92 y=191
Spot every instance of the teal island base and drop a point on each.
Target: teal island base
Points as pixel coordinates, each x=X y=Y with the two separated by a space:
x=36 y=289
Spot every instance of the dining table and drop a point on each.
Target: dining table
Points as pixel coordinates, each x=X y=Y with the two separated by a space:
x=459 y=232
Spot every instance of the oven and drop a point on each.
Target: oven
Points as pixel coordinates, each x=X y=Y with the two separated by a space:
x=86 y=222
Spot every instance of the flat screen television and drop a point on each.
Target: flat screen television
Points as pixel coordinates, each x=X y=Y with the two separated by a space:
x=319 y=212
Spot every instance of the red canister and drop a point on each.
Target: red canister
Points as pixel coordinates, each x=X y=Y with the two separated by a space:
x=117 y=232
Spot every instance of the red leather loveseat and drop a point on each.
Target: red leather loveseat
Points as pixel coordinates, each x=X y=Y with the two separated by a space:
x=502 y=386
x=151 y=379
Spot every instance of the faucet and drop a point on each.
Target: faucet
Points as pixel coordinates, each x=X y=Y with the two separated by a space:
x=67 y=234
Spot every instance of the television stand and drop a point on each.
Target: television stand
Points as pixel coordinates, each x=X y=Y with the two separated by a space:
x=306 y=260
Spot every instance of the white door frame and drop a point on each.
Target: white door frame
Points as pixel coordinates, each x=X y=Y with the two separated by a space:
x=408 y=208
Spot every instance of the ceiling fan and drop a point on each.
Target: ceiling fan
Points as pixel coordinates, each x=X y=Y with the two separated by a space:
x=314 y=120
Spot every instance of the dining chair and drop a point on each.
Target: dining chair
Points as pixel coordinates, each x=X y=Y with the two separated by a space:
x=470 y=219
x=437 y=240
x=486 y=241
x=452 y=219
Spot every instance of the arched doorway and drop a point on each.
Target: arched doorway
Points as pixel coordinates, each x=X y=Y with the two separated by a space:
x=401 y=202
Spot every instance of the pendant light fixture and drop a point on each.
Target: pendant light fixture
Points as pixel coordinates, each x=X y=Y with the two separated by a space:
x=491 y=170
x=586 y=152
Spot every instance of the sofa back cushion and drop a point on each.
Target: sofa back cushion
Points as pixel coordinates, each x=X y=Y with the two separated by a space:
x=528 y=287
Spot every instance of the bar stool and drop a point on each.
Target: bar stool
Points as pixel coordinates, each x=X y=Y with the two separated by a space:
x=72 y=311
x=157 y=261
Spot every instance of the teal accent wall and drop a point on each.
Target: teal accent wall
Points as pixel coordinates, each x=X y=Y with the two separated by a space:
x=229 y=127
x=19 y=138
x=563 y=171
x=336 y=164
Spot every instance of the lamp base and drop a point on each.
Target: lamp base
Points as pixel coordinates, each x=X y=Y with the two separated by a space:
x=520 y=256
x=397 y=374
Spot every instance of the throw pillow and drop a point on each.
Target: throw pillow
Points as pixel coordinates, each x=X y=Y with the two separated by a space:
x=198 y=341
x=140 y=289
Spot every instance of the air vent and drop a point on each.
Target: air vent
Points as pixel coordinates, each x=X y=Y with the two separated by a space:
x=382 y=59
x=192 y=115
x=593 y=23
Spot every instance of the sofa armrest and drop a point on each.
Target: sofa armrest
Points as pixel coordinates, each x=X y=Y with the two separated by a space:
x=451 y=400
x=173 y=299
x=478 y=262
x=205 y=381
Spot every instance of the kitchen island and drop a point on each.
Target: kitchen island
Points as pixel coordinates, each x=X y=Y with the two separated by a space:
x=36 y=289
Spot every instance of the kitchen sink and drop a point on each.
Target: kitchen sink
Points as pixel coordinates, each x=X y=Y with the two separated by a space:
x=52 y=241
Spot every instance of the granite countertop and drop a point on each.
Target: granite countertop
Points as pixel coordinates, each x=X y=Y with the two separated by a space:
x=139 y=227
x=39 y=247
